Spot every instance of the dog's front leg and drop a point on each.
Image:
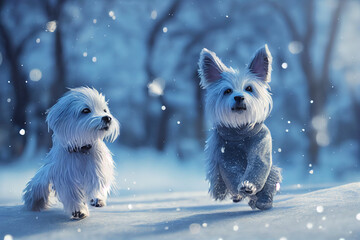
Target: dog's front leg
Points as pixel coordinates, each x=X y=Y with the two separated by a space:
x=99 y=198
x=258 y=168
x=74 y=201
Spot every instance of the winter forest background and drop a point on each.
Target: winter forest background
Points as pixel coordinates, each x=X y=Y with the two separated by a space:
x=143 y=56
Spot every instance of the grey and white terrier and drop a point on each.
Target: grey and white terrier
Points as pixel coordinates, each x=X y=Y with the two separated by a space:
x=239 y=160
x=79 y=166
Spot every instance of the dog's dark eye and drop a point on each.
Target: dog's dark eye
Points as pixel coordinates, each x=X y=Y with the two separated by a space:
x=248 y=89
x=86 y=110
x=105 y=110
x=228 y=91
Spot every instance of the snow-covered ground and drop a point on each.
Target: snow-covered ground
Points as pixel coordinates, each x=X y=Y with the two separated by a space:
x=160 y=198
x=332 y=213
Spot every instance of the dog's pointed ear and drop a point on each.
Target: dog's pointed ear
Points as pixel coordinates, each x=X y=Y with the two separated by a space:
x=210 y=68
x=261 y=64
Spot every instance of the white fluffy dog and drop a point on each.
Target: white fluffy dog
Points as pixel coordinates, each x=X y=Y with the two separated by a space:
x=79 y=166
x=239 y=149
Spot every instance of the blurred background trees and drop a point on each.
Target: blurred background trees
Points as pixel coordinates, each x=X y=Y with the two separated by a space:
x=143 y=56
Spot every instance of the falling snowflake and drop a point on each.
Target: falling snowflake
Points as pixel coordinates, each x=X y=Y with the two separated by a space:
x=309 y=225
x=156 y=87
x=236 y=228
x=8 y=237
x=153 y=14
x=163 y=108
x=284 y=65
x=319 y=209
x=35 y=75
x=277 y=187
x=165 y=29
x=22 y=132
x=51 y=26
x=222 y=149
x=295 y=47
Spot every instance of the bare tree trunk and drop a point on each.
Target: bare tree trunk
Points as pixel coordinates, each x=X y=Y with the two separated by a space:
x=356 y=129
x=54 y=12
x=19 y=119
x=161 y=136
x=318 y=83
x=18 y=81
x=58 y=86
x=163 y=127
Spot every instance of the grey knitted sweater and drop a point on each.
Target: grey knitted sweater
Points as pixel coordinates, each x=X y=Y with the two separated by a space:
x=236 y=155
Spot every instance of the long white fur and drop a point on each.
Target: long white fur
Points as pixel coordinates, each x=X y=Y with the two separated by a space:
x=76 y=177
x=259 y=102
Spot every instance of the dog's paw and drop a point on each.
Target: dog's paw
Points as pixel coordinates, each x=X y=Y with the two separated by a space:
x=78 y=215
x=97 y=202
x=252 y=203
x=264 y=205
x=247 y=188
x=237 y=198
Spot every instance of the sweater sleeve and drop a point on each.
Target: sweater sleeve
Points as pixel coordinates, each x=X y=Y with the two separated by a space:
x=259 y=161
x=217 y=185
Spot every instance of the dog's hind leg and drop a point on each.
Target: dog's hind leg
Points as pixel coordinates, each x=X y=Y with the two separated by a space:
x=265 y=197
x=37 y=191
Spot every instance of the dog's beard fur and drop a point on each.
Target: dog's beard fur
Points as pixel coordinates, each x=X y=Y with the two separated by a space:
x=219 y=107
x=73 y=128
x=216 y=78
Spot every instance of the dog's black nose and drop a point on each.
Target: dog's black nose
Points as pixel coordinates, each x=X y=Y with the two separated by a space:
x=239 y=98
x=106 y=119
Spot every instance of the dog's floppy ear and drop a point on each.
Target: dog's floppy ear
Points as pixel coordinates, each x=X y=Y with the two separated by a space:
x=261 y=64
x=210 y=68
x=55 y=113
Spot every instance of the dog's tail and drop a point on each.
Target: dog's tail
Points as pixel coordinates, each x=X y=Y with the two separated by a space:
x=37 y=191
